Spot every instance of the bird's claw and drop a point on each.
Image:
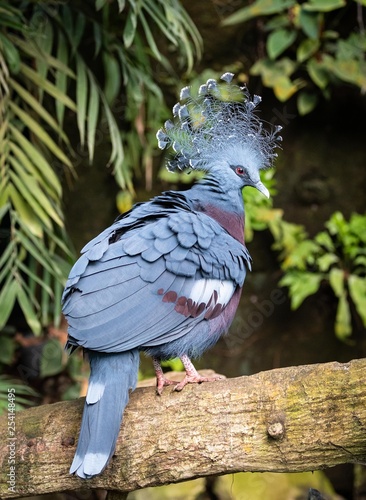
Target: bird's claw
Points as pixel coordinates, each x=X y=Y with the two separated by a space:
x=162 y=382
x=196 y=379
x=191 y=377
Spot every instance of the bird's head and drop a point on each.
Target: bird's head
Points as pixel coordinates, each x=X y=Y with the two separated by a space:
x=218 y=132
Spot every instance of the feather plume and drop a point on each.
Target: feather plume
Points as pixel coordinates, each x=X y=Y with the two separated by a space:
x=219 y=124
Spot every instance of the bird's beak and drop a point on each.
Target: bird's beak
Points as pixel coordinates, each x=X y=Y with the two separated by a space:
x=262 y=188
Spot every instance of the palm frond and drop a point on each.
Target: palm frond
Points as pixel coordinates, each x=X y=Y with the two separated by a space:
x=46 y=76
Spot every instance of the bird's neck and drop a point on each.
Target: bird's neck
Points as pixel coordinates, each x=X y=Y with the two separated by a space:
x=226 y=207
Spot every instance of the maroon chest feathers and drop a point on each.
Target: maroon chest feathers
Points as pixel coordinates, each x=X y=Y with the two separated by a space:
x=233 y=223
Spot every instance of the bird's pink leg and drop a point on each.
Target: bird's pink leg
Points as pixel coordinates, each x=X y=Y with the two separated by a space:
x=192 y=376
x=161 y=380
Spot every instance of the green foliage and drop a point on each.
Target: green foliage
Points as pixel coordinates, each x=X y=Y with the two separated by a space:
x=337 y=257
x=310 y=47
x=21 y=393
x=259 y=211
x=61 y=62
x=256 y=485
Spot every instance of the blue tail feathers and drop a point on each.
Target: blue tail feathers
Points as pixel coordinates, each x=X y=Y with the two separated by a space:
x=111 y=378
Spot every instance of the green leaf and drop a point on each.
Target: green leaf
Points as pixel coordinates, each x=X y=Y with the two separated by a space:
x=258 y=8
x=343 y=327
x=357 y=225
x=301 y=285
x=61 y=78
x=99 y=4
x=43 y=40
x=317 y=73
x=32 y=192
x=149 y=37
x=300 y=255
x=34 y=277
x=7 y=299
x=11 y=54
x=38 y=130
x=112 y=77
x=130 y=29
x=38 y=108
x=81 y=97
x=306 y=102
x=337 y=224
x=310 y=23
x=4 y=209
x=33 y=50
x=336 y=280
x=45 y=298
x=38 y=251
x=350 y=71
x=47 y=86
x=93 y=112
x=121 y=5
x=25 y=212
x=273 y=69
x=166 y=23
x=323 y=5
x=63 y=244
x=360 y=260
x=284 y=88
x=8 y=255
x=275 y=74
x=117 y=153
x=306 y=49
x=38 y=160
x=57 y=304
x=278 y=41
x=28 y=310
x=67 y=19
x=79 y=30
x=357 y=290
x=324 y=262
x=20 y=389
x=98 y=38
x=51 y=359
x=30 y=168
x=324 y=240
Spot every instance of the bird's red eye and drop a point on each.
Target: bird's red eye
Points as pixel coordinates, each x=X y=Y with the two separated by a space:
x=239 y=170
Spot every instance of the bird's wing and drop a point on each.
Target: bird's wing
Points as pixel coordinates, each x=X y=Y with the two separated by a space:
x=153 y=282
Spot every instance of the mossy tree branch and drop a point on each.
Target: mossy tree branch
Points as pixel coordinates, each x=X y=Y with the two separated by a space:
x=285 y=420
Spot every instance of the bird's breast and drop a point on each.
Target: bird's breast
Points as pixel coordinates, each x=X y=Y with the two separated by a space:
x=233 y=223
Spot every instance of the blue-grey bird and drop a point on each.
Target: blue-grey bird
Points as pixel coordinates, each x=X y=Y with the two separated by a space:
x=166 y=277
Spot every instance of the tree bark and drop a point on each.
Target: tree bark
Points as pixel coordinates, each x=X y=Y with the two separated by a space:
x=285 y=420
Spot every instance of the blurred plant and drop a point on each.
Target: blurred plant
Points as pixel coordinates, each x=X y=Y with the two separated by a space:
x=21 y=393
x=259 y=211
x=310 y=47
x=337 y=257
x=58 y=62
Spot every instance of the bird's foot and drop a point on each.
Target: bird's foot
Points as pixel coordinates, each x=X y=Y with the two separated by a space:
x=196 y=379
x=192 y=376
x=162 y=382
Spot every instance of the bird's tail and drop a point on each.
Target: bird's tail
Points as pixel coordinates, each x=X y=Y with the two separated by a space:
x=111 y=378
